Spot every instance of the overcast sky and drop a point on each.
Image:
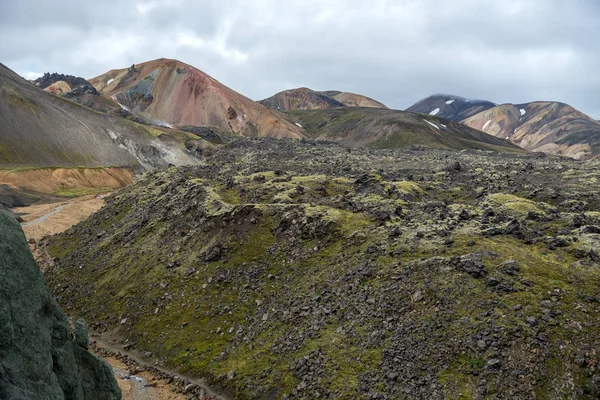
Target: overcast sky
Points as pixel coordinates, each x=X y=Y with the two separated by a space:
x=396 y=51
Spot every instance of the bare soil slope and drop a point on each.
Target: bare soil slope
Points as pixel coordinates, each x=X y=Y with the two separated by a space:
x=174 y=93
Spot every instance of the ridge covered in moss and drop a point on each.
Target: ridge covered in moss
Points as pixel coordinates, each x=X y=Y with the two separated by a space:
x=286 y=269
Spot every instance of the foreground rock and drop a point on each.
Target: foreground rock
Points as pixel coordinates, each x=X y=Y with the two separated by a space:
x=40 y=357
x=292 y=269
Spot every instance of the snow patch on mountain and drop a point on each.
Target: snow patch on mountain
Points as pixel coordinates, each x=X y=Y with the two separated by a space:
x=432 y=124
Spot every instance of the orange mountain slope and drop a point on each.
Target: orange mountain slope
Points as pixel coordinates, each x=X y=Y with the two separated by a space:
x=170 y=92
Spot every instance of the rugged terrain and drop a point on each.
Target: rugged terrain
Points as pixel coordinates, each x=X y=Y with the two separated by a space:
x=382 y=128
x=283 y=269
x=170 y=92
x=308 y=99
x=41 y=358
x=38 y=129
x=550 y=127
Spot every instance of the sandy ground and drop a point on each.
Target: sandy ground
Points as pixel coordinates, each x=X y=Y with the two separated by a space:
x=142 y=386
x=52 y=218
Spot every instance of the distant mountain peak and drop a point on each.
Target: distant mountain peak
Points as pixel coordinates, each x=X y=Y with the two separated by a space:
x=303 y=98
x=547 y=126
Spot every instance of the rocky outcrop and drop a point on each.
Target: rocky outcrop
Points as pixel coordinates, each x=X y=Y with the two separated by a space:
x=75 y=83
x=40 y=357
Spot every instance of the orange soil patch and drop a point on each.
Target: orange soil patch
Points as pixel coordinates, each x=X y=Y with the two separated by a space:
x=57 y=180
x=60 y=87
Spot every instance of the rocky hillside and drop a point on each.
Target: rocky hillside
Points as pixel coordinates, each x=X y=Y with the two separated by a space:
x=41 y=357
x=38 y=129
x=454 y=108
x=170 y=92
x=550 y=127
x=307 y=99
x=283 y=269
x=381 y=128
x=78 y=90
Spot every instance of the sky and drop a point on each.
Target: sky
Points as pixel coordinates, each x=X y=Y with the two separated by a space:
x=395 y=51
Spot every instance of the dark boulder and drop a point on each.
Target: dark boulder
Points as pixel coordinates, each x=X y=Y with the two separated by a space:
x=40 y=359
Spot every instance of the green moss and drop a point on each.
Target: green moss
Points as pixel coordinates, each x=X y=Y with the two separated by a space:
x=514 y=204
x=82 y=191
x=408 y=187
x=189 y=311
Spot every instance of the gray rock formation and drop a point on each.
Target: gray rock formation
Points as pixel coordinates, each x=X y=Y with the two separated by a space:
x=39 y=357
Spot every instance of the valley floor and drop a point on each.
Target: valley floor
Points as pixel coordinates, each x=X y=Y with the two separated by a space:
x=52 y=218
x=142 y=385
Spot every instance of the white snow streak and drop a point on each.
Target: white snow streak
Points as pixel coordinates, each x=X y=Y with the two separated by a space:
x=434 y=112
x=486 y=125
x=522 y=111
x=449 y=101
x=297 y=124
x=432 y=124
x=110 y=81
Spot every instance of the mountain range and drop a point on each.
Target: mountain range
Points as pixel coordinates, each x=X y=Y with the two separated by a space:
x=550 y=127
x=165 y=112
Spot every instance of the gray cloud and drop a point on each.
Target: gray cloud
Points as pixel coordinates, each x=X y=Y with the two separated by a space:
x=396 y=51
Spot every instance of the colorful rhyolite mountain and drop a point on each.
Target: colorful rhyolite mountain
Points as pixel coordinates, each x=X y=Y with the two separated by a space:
x=308 y=99
x=170 y=92
x=38 y=129
x=550 y=127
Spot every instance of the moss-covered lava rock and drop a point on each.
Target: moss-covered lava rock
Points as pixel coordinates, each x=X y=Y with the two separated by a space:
x=288 y=269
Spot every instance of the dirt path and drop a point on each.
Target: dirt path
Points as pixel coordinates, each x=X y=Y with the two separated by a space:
x=45 y=216
x=52 y=218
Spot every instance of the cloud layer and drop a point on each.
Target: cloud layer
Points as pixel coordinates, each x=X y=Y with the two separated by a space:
x=396 y=51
